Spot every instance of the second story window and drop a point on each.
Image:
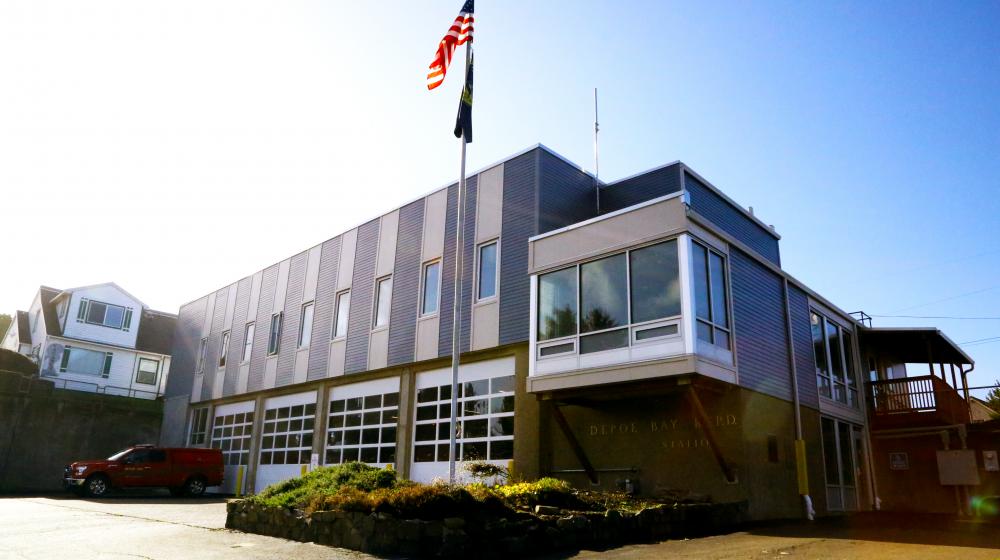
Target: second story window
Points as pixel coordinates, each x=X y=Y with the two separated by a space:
x=105 y=314
x=833 y=350
x=487 y=273
x=202 y=354
x=710 y=295
x=383 y=301
x=306 y=325
x=223 y=349
x=432 y=288
x=274 y=338
x=248 y=341
x=557 y=304
x=341 y=313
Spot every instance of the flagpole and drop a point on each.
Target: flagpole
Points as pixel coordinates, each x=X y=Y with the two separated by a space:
x=456 y=321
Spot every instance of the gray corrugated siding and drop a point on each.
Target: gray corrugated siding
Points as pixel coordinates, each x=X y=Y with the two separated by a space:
x=406 y=284
x=214 y=342
x=759 y=318
x=182 y=357
x=468 y=284
x=566 y=194
x=730 y=220
x=359 y=324
x=805 y=363
x=326 y=293
x=259 y=353
x=519 y=221
x=293 y=315
x=448 y=274
x=237 y=332
x=654 y=184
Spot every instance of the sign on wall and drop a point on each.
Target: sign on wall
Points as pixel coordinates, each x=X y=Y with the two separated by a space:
x=957 y=467
x=990 y=461
x=899 y=461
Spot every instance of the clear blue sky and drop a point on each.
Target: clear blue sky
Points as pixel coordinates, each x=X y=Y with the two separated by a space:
x=867 y=133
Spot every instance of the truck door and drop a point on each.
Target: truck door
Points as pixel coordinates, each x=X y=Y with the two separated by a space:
x=146 y=467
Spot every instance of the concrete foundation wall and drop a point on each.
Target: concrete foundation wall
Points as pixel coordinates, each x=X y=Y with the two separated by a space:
x=42 y=430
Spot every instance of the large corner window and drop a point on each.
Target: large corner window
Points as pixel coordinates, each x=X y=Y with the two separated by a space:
x=432 y=288
x=105 y=314
x=383 y=301
x=274 y=337
x=341 y=313
x=199 y=426
x=639 y=287
x=833 y=347
x=306 y=325
x=223 y=349
x=487 y=273
x=710 y=295
x=86 y=362
x=248 y=341
x=147 y=371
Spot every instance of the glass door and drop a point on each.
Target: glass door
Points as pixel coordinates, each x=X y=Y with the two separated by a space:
x=840 y=448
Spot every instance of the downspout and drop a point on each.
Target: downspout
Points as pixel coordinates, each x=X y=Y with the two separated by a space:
x=800 y=444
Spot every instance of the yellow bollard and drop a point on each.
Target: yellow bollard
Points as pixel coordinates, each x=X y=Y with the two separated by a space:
x=800 y=463
x=305 y=469
x=239 y=481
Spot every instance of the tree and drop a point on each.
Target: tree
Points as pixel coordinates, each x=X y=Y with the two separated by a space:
x=993 y=397
x=13 y=362
x=5 y=321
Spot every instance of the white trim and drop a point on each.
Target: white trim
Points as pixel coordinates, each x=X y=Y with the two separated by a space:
x=234 y=408
x=283 y=401
x=686 y=272
x=602 y=217
x=363 y=389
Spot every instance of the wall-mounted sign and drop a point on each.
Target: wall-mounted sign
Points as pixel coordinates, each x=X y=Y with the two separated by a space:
x=957 y=467
x=990 y=461
x=899 y=461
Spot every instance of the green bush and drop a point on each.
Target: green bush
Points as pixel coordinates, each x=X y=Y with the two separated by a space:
x=11 y=361
x=545 y=491
x=326 y=481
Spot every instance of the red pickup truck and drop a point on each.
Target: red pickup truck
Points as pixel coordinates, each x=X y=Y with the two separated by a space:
x=184 y=471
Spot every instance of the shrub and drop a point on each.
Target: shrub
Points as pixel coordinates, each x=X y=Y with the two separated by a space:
x=546 y=491
x=18 y=363
x=482 y=470
x=326 y=481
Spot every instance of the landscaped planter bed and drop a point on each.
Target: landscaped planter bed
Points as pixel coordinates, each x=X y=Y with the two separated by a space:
x=419 y=522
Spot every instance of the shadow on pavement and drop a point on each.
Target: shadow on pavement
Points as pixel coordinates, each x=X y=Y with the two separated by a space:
x=143 y=496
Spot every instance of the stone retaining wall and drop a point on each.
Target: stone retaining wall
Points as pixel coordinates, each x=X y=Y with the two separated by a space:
x=381 y=533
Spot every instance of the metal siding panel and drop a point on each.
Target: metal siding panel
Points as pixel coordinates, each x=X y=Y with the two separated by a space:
x=654 y=184
x=732 y=221
x=214 y=342
x=759 y=318
x=362 y=288
x=805 y=363
x=468 y=277
x=326 y=293
x=293 y=313
x=406 y=284
x=566 y=195
x=236 y=334
x=448 y=274
x=182 y=357
x=261 y=331
x=519 y=223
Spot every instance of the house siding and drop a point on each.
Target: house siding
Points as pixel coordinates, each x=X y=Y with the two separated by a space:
x=214 y=343
x=760 y=331
x=520 y=184
x=406 y=284
x=182 y=357
x=448 y=274
x=262 y=330
x=567 y=194
x=731 y=220
x=236 y=334
x=805 y=363
x=359 y=323
x=326 y=293
x=469 y=261
x=293 y=315
x=647 y=186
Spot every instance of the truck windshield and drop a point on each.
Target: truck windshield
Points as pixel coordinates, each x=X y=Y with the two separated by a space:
x=119 y=455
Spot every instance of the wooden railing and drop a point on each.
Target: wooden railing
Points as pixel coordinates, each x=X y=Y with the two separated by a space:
x=926 y=394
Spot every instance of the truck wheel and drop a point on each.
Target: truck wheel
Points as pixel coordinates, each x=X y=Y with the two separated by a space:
x=97 y=486
x=194 y=487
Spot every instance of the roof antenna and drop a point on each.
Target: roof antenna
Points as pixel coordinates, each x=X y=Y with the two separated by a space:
x=597 y=167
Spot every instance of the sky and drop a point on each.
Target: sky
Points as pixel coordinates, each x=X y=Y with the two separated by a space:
x=175 y=147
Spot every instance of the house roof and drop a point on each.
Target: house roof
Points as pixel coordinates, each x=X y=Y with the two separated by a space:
x=916 y=345
x=47 y=294
x=23 y=328
x=112 y=284
x=156 y=332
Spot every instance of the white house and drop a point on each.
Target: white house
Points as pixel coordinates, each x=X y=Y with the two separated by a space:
x=95 y=338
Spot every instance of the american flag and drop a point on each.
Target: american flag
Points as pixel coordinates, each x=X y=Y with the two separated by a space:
x=459 y=33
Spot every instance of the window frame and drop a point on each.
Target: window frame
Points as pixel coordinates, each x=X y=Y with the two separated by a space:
x=727 y=296
x=198 y=416
x=248 y=341
x=303 y=343
x=199 y=366
x=496 y=273
x=224 y=340
x=337 y=313
x=83 y=314
x=156 y=371
x=377 y=299
x=423 y=288
x=105 y=372
x=848 y=365
x=274 y=333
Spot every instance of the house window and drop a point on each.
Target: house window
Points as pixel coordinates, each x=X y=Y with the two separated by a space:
x=654 y=280
x=224 y=349
x=86 y=362
x=199 y=426
x=432 y=288
x=248 y=341
x=306 y=325
x=232 y=434
x=710 y=295
x=288 y=435
x=383 y=300
x=487 y=270
x=833 y=349
x=105 y=314
x=557 y=304
x=363 y=429
x=274 y=339
x=147 y=371
x=485 y=419
x=202 y=354
x=341 y=313
x=603 y=304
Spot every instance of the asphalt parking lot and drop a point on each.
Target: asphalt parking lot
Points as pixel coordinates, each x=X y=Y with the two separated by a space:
x=155 y=526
